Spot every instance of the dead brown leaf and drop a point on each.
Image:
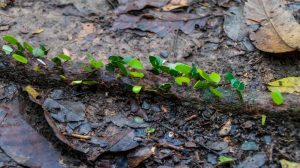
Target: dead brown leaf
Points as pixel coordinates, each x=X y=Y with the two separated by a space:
x=21 y=142
x=161 y=23
x=139 y=4
x=279 y=31
x=174 y=4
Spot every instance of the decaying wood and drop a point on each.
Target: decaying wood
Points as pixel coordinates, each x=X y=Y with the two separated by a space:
x=256 y=102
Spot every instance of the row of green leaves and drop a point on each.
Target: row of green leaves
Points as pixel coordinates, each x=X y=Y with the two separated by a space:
x=183 y=74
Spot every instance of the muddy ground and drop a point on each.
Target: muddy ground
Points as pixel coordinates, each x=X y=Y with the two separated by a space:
x=80 y=28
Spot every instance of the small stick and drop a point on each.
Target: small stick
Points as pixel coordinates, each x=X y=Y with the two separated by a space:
x=167 y=145
x=190 y=118
x=86 y=137
x=188 y=138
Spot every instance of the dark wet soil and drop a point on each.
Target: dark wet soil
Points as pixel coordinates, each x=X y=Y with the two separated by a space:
x=77 y=31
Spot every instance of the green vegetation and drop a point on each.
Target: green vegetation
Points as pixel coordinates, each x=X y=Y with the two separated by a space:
x=277 y=98
x=136 y=89
x=149 y=131
x=236 y=84
x=183 y=75
x=225 y=160
x=263 y=120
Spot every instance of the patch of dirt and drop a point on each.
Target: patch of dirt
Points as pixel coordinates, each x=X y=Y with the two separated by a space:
x=66 y=28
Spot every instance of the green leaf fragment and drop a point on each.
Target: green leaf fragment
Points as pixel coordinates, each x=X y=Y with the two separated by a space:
x=77 y=82
x=263 y=119
x=10 y=39
x=204 y=75
x=136 y=89
x=136 y=64
x=20 y=58
x=156 y=61
x=150 y=130
x=28 y=47
x=183 y=68
x=165 y=86
x=182 y=80
x=237 y=84
x=137 y=74
x=89 y=82
x=216 y=92
x=200 y=84
x=216 y=78
x=7 y=49
x=59 y=59
x=116 y=59
x=277 y=98
x=225 y=160
x=138 y=120
x=94 y=63
x=229 y=76
x=38 y=52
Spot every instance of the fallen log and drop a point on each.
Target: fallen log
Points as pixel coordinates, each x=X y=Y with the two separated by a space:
x=45 y=74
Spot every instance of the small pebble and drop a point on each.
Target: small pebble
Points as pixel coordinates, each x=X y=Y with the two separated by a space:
x=146 y=105
x=164 y=54
x=155 y=108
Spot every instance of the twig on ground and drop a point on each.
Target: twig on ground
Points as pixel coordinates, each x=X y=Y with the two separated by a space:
x=86 y=137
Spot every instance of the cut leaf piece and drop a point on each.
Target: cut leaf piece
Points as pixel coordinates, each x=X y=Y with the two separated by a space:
x=229 y=76
x=286 y=85
x=225 y=160
x=31 y=91
x=137 y=74
x=38 y=52
x=136 y=89
x=277 y=98
x=77 y=82
x=20 y=58
x=280 y=30
x=89 y=82
x=200 y=84
x=28 y=47
x=181 y=80
x=263 y=119
x=183 y=68
x=156 y=61
x=136 y=64
x=215 y=77
x=10 y=39
x=216 y=92
x=7 y=49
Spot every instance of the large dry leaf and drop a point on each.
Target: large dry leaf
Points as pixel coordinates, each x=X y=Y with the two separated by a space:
x=21 y=142
x=161 y=23
x=286 y=85
x=139 y=4
x=279 y=30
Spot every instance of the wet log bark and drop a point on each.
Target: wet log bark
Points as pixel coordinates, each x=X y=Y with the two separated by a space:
x=48 y=76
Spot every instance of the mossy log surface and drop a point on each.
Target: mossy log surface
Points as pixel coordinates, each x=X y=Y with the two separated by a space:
x=48 y=76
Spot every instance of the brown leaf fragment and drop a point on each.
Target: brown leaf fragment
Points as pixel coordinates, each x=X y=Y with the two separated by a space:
x=21 y=142
x=139 y=155
x=174 y=4
x=139 y=4
x=279 y=30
